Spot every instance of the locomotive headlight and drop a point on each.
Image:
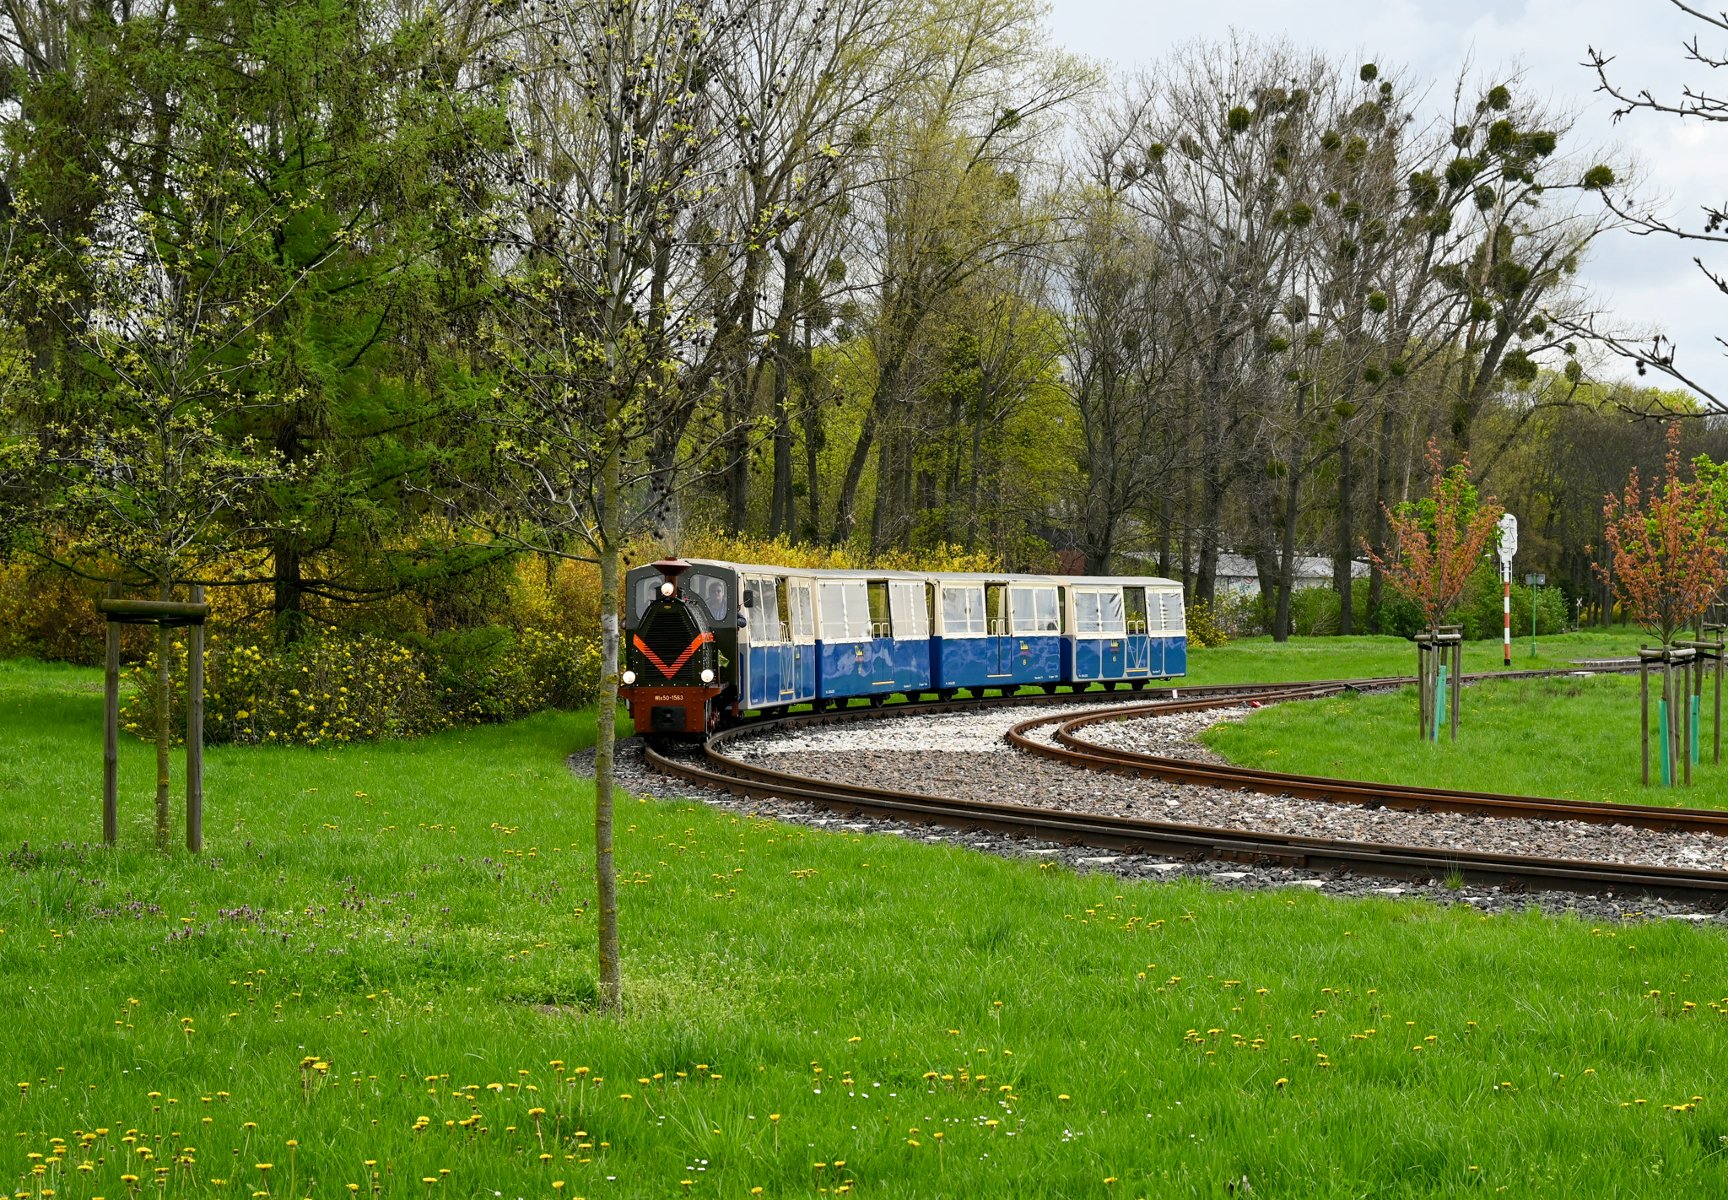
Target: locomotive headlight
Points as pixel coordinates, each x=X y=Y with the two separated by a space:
x=707 y=675
x=629 y=678
x=667 y=588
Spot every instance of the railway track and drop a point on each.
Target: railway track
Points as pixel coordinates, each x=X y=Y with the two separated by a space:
x=723 y=771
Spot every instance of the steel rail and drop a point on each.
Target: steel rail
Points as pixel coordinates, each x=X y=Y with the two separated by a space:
x=725 y=773
x=1072 y=749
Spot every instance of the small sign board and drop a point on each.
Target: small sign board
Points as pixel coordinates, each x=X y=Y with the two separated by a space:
x=1508 y=538
x=1536 y=579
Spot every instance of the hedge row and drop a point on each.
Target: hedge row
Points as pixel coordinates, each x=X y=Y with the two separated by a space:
x=338 y=687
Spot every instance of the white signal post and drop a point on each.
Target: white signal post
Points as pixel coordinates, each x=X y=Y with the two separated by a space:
x=1508 y=547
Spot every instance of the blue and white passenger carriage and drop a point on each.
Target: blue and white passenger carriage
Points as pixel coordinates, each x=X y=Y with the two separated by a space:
x=708 y=641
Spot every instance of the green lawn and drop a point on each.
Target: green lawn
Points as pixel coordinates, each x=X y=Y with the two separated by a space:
x=1572 y=738
x=1261 y=660
x=377 y=976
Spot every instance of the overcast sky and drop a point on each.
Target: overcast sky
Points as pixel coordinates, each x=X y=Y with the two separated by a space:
x=1644 y=282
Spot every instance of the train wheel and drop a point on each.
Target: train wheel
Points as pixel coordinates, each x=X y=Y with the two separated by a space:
x=878 y=701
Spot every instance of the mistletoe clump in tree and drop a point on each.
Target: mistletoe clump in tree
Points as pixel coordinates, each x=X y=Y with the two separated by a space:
x=1438 y=540
x=1668 y=549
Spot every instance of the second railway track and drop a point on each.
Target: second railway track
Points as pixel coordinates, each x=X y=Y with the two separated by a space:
x=724 y=771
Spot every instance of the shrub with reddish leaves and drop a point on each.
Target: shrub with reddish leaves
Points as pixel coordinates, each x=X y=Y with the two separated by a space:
x=1437 y=541
x=1668 y=549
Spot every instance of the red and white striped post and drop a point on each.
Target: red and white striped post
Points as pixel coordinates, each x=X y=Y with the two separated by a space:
x=1506 y=610
x=1507 y=548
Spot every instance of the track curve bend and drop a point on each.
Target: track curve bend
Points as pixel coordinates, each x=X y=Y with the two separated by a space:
x=725 y=772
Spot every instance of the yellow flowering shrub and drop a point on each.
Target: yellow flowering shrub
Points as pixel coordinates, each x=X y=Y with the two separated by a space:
x=1204 y=627
x=335 y=687
x=49 y=615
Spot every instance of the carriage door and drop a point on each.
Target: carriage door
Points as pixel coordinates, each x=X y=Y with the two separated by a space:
x=1139 y=645
x=803 y=649
x=788 y=653
x=1000 y=656
x=766 y=641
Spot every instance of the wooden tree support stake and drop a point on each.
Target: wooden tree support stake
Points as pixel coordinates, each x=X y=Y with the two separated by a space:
x=165 y=614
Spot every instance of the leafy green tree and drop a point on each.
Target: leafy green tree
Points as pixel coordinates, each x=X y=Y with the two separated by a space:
x=147 y=480
x=1669 y=547
x=610 y=257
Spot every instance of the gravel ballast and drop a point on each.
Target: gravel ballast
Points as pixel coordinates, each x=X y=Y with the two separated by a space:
x=964 y=755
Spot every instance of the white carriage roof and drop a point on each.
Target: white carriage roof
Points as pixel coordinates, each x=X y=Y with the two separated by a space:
x=946 y=576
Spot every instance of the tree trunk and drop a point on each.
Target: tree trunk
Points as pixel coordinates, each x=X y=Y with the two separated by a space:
x=605 y=742
x=1380 y=531
x=1345 y=552
x=1211 y=514
x=1287 y=557
x=843 y=503
x=813 y=438
x=780 y=517
x=164 y=707
x=289 y=588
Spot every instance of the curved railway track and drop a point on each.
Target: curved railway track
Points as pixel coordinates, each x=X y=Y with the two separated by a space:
x=722 y=771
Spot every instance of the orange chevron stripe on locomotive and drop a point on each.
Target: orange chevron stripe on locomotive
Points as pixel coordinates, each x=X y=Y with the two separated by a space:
x=702 y=639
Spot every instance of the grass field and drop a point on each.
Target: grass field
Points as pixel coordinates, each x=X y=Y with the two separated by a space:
x=1576 y=739
x=376 y=980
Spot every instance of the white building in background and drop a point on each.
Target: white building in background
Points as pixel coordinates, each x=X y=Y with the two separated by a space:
x=1237 y=577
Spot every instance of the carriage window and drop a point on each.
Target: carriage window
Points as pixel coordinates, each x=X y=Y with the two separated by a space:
x=782 y=611
x=1171 y=605
x=711 y=590
x=1113 y=618
x=996 y=605
x=962 y=611
x=1135 y=599
x=1034 y=609
x=1049 y=611
x=765 y=623
x=1086 y=612
x=803 y=620
x=909 y=610
x=845 y=611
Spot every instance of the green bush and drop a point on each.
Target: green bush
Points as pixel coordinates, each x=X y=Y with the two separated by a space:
x=1314 y=612
x=1485 y=619
x=334 y=688
x=50 y=615
x=1397 y=615
x=496 y=674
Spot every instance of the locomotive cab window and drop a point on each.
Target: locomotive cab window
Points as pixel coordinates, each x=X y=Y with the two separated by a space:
x=711 y=590
x=1034 y=609
x=642 y=594
x=962 y=610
